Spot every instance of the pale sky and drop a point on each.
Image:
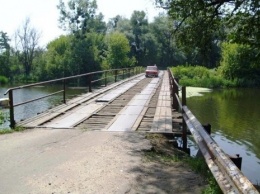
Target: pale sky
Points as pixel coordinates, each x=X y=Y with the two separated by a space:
x=44 y=14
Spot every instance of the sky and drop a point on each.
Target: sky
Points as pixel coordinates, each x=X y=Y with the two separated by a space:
x=44 y=14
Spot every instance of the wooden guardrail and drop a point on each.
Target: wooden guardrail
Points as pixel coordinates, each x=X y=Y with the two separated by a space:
x=226 y=173
x=103 y=76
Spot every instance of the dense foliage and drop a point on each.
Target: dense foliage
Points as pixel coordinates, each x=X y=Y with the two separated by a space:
x=206 y=20
x=117 y=52
x=199 y=76
x=238 y=63
x=215 y=34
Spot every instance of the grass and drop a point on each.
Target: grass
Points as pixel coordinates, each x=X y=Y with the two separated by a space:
x=199 y=166
x=164 y=151
x=16 y=129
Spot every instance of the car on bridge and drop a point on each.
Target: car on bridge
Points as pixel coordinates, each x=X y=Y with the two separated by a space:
x=151 y=71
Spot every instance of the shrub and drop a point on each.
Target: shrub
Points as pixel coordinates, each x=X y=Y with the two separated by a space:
x=199 y=76
x=3 y=80
x=238 y=62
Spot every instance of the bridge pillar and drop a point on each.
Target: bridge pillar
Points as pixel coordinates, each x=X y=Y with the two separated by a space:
x=89 y=83
x=11 y=104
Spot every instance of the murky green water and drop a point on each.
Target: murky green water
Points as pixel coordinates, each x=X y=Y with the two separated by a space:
x=235 y=118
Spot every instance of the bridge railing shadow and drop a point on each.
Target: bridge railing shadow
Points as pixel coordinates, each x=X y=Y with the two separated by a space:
x=101 y=78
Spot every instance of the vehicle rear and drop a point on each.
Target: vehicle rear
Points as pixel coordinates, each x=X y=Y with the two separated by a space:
x=151 y=71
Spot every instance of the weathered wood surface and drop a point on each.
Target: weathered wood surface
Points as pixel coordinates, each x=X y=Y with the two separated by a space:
x=144 y=104
x=162 y=121
x=41 y=119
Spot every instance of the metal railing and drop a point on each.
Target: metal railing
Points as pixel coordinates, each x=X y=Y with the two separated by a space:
x=227 y=174
x=103 y=76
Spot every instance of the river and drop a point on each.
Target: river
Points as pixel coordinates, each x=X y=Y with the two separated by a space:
x=31 y=109
x=234 y=115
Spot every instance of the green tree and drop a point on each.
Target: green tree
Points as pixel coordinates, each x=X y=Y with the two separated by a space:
x=118 y=51
x=68 y=56
x=79 y=17
x=87 y=31
x=238 y=62
x=202 y=23
x=4 y=54
x=139 y=25
x=167 y=51
x=86 y=54
x=58 y=57
x=39 y=72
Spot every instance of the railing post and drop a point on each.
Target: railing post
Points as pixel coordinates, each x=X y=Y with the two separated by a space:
x=207 y=128
x=105 y=78
x=64 y=91
x=115 y=75
x=11 y=104
x=123 y=73
x=184 y=126
x=171 y=86
x=89 y=83
x=175 y=90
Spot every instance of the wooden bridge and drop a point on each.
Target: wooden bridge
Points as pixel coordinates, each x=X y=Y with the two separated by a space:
x=144 y=105
x=135 y=104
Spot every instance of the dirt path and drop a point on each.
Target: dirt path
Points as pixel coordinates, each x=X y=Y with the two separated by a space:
x=73 y=161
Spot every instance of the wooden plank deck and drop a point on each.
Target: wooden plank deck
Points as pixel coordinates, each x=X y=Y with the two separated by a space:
x=149 y=107
x=162 y=121
x=128 y=118
x=39 y=120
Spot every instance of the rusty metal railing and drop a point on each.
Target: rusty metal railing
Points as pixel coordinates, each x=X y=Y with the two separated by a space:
x=227 y=174
x=124 y=72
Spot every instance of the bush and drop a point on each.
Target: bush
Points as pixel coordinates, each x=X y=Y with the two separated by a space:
x=239 y=63
x=198 y=76
x=3 y=80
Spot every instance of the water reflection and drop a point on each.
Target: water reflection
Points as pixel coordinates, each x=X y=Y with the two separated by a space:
x=234 y=115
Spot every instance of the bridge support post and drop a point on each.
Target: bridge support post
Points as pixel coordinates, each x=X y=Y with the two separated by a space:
x=237 y=160
x=64 y=91
x=175 y=90
x=184 y=126
x=129 y=72
x=89 y=83
x=207 y=128
x=105 y=78
x=11 y=104
x=115 y=75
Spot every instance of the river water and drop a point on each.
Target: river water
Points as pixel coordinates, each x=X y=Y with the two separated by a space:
x=234 y=115
x=31 y=109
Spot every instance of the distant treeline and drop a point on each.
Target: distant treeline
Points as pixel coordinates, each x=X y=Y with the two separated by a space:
x=168 y=41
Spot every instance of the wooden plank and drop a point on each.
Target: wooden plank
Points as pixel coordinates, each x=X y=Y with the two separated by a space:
x=162 y=121
x=41 y=120
x=74 y=118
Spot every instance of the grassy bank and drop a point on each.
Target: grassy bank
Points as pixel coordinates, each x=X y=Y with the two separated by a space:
x=198 y=76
